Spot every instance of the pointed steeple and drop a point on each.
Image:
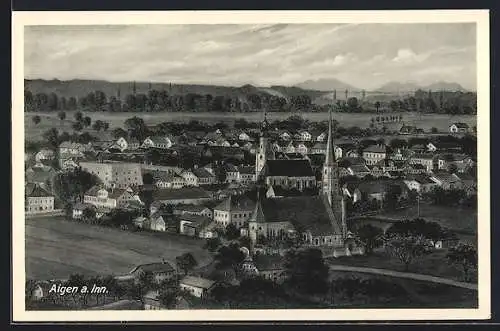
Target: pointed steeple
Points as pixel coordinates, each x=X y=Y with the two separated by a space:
x=330 y=153
x=258 y=213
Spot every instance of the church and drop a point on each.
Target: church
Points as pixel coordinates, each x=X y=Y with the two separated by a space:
x=319 y=220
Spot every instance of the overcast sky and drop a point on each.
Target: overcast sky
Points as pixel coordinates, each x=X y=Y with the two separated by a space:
x=363 y=55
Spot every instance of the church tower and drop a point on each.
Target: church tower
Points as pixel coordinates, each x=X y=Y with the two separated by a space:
x=330 y=176
x=265 y=151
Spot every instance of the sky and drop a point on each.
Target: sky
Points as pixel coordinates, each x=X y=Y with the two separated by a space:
x=363 y=55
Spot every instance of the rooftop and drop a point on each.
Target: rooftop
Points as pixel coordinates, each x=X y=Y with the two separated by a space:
x=198 y=282
x=35 y=191
x=236 y=203
x=154 y=267
x=181 y=193
x=289 y=168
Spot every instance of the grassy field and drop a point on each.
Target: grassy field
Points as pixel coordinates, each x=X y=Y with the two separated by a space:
x=462 y=220
x=49 y=120
x=434 y=264
x=55 y=248
x=414 y=294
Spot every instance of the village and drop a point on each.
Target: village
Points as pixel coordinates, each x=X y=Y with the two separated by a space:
x=253 y=194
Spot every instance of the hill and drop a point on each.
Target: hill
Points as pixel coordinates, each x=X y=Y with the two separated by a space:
x=325 y=84
x=404 y=87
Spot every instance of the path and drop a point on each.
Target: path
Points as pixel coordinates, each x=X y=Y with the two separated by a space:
x=408 y=275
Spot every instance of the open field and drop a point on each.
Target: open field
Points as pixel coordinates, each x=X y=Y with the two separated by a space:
x=55 y=248
x=462 y=220
x=426 y=121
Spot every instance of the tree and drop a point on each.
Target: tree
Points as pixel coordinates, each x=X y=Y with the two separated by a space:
x=36 y=119
x=52 y=137
x=119 y=133
x=78 y=116
x=212 y=244
x=98 y=125
x=61 y=115
x=434 y=130
x=370 y=236
x=105 y=126
x=406 y=248
x=307 y=271
x=229 y=256
x=232 y=231
x=87 y=121
x=77 y=126
x=186 y=262
x=89 y=215
x=464 y=256
x=146 y=281
x=377 y=107
x=71 y=186
x=168 y=296
x=417 y=227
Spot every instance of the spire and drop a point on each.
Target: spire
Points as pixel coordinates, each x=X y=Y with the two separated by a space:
x=264 y=125
x=330 y=155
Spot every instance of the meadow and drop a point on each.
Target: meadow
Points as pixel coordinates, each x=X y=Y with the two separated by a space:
x=56 y=248
x=363 y=120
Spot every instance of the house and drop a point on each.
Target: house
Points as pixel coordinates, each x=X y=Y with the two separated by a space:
x=285 y=135
x=322 y=137
x=289 y=174
x=420 y=183
x=193 y=210
x=408 y=129
x=304 y=135
x=243 y=136
x=358 y=170
x=459 y=128
x=375 y=153
x=168 y=180
x=469 y=183
x=197 y=286
x=444 y=147
x=234 y=210
x=160 y=271
x=271 y=267
x=74 y=149
x=37 y=200
x=45 y=154
x=401 y=154
x=141 y=222
x=352 y=191
x=428 y=160
x=232 y=173
x=198 y=176
x=40 y=175
x=40 y=290
x=456 y=161
x=447 y=181
x=157 y=142
x=68 y=164
x=157 y=222
x=115 y=174
x=79 y=207
x=101 y=197
x=193 y=225
x=185 y=195
x=318 y=148
x=247 y=175
x=301 y=148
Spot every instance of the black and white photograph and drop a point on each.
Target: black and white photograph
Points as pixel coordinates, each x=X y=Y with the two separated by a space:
x=321 y=165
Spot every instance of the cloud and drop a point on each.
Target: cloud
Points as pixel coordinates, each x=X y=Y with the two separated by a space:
x=406 y=56
x=362 y=55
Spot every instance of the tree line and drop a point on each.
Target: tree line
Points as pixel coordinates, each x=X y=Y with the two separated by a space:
x=161 y=101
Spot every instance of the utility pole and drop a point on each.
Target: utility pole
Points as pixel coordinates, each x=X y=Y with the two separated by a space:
x=418 y=205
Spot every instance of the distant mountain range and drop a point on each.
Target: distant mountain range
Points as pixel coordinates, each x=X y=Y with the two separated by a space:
x=326 y=85
x=412 y=86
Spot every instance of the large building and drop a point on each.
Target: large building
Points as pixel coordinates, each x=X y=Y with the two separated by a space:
x=37 y=200
x=115 y=174
x=234 y=210
x=318 y=219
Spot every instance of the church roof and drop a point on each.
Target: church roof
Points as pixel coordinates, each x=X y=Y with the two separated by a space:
x=289 y=168
x=309 y=212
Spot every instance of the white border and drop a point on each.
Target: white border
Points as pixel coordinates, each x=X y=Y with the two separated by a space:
x=480 y=17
